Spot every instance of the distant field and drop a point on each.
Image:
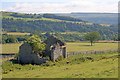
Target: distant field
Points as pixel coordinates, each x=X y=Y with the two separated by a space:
x=84 y=46
x=72 y=33
x=10 y=48
x=17 y=33
x=71 y=46
x=79 y=66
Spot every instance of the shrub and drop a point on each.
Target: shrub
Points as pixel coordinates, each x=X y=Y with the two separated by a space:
x=49 y=63
x=36 y=43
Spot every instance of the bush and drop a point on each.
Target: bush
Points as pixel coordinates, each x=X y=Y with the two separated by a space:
x=36 y=43
x=49 y=63
x=11 y=39
x=8 y=66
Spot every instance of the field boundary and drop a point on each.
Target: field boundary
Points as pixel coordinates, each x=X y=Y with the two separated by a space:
x=90 y=52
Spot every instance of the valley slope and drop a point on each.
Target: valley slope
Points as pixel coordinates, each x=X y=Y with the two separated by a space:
x=20 y=22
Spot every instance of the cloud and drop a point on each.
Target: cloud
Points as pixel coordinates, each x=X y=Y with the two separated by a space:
x=95 y=5
x=65 y=7
x=38 y=7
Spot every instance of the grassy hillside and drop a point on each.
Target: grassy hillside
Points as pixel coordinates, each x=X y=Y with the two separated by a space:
x=105 y=18
x=79 y=66
x=18 y=22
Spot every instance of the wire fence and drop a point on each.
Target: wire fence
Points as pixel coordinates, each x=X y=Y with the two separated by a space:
x=90 y=52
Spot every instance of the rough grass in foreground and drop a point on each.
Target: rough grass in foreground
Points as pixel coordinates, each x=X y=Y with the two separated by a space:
x=78 y=66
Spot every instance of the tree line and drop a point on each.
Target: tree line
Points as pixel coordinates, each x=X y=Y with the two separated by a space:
x=21 y=25
x=20 y=22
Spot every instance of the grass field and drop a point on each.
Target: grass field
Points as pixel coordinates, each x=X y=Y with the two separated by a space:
x=79 y=66
x=84 y=46
x=10 y=48
x=17 y=33
x=71 y=46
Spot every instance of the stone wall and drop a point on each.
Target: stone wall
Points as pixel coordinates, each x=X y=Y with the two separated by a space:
x=64 y=52
x=58 y=51
x=26 y=55
x=90 y=52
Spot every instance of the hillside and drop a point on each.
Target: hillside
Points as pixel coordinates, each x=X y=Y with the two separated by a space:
x=19 y=22
x=100 y=18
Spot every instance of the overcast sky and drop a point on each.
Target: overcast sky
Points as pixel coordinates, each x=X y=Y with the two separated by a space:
x=59 y=6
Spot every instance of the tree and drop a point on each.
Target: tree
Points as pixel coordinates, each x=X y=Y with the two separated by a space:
x=11 y=39
x=92 y=37
x=36 y=43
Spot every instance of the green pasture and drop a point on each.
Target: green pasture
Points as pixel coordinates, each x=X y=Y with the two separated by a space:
x=79 y=66
x=17 y=33
x=10 y=48
x=71 y=47
x=85 y=46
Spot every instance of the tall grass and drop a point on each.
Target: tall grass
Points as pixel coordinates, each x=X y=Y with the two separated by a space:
x=78 y=66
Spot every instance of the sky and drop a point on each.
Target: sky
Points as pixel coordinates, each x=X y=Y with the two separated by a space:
x=59 y=6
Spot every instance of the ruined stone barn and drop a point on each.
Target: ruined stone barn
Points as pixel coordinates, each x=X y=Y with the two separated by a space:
x=55 y=48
